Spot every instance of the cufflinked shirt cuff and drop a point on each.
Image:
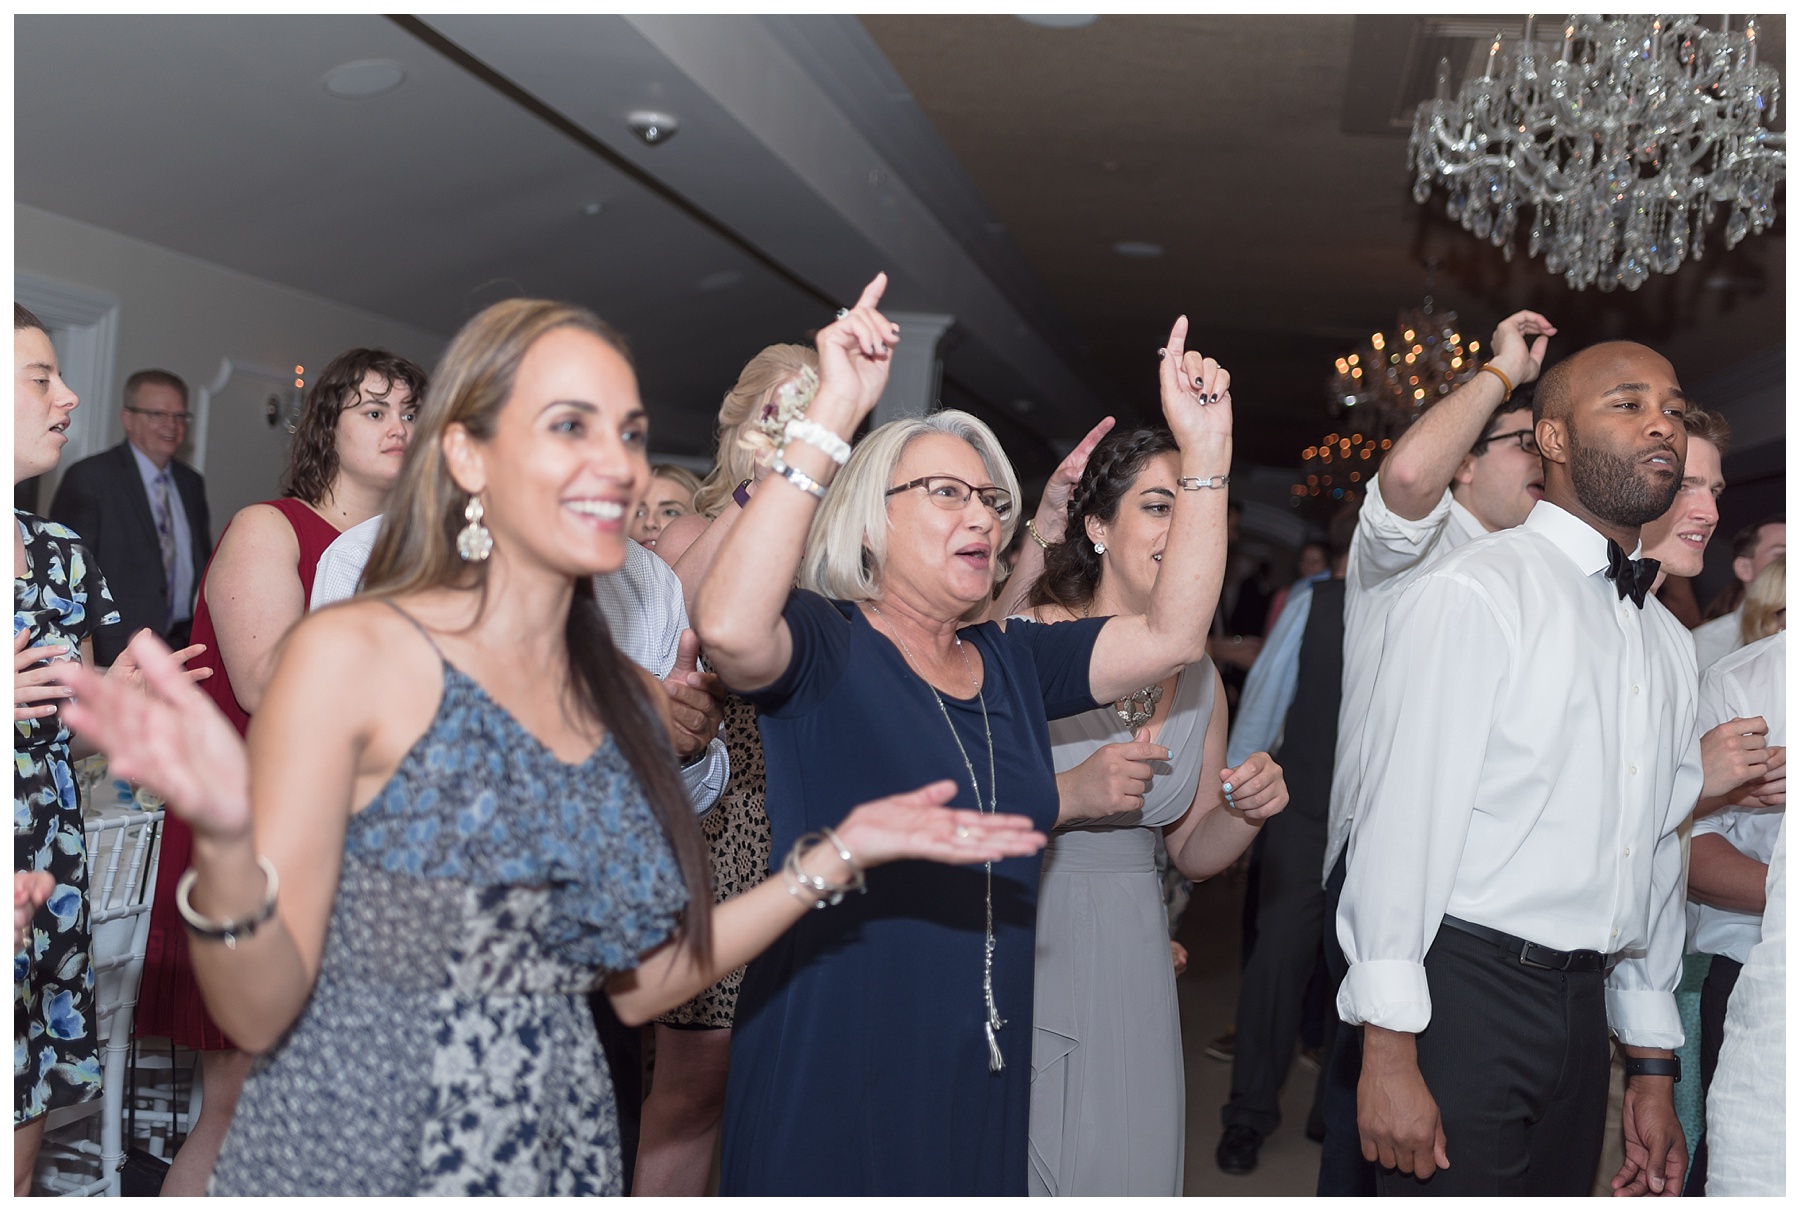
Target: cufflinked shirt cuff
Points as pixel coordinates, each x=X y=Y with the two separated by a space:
x=1642 y=1018
x=705 y=779
x=1390 y=993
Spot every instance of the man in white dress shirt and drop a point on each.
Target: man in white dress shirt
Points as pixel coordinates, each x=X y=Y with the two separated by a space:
x=1746 y=1111
x=1514 y=882
x=1467 y=467
x=1728 y=867
x=648 y=621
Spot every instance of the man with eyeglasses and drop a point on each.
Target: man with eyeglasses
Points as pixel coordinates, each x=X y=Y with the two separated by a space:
x=143 y=513
x=1467 y=467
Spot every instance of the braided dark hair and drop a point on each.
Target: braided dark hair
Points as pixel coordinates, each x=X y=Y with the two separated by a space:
x=1071 y=568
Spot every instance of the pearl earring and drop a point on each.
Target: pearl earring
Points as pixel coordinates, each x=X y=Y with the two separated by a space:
x=474 y=542
x=1099 y=548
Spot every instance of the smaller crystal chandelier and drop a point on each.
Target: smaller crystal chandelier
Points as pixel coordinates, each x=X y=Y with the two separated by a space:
x=1624 y=146
x=1378 y=391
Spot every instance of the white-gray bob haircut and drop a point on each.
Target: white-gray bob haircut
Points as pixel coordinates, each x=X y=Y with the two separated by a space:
x=847 y=547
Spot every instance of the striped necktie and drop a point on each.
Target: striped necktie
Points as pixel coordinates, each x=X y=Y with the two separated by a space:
x=165 y=538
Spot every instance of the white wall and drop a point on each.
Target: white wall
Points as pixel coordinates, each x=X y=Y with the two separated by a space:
x=186 y=315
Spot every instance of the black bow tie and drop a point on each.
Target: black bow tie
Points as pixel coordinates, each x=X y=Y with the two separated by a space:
x=1632 y=577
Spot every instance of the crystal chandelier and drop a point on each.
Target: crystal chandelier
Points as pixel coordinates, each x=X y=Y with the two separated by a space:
x=1624 y=144
x=1377 y=392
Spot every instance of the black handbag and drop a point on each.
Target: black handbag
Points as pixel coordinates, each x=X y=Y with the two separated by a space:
x=141 y=1175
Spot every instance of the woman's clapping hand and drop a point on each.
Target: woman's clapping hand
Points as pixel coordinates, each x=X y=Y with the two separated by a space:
x=166 y=735
x=30 y=889
x=35 y=692
x=917 y=825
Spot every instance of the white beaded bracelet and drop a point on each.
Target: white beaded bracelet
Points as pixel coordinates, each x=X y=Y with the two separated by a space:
x=819 y=438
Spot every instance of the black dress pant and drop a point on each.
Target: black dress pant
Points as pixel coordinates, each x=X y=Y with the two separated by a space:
x=1518 y=1060
x=1289 y=920
x=1343 y=1173
x=1715 y=995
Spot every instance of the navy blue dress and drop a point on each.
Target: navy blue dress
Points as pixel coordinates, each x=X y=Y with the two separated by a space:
x=859 y=1065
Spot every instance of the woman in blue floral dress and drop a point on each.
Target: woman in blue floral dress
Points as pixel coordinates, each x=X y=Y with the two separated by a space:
x=59 y=597
x=466 y=811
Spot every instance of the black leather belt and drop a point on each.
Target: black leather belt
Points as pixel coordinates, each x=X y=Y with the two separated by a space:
x=1533 y=955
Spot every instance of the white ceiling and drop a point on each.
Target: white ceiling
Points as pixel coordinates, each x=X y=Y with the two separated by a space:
x=988 y=164
x=212 y=136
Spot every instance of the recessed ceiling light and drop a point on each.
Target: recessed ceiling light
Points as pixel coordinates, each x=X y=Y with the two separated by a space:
x=1137 y=248
x=364 y=78
x=1060 y=20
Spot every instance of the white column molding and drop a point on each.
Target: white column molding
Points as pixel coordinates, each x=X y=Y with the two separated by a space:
x=284 y=401
x=917 y=371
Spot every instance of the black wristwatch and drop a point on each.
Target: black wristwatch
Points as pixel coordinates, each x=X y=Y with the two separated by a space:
x=1653 y=1067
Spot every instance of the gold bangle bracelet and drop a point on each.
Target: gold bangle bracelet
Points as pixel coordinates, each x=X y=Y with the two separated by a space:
x=1031 y=529
x=1500 y=374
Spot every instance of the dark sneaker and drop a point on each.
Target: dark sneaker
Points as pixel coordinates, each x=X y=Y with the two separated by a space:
x=1238 y=1149
x=1223 y=1047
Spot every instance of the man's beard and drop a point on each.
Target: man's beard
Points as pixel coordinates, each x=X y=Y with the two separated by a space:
x=1617 y=489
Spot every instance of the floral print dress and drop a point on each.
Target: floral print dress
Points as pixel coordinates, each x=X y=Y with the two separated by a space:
x=447 y=1047
x=56 y=1055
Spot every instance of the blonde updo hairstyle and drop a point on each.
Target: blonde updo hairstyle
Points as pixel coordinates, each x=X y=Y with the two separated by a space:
x=762 y=376
x=847 y=546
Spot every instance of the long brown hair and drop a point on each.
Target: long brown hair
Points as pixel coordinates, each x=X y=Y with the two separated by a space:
x=759 y=379
x=415 y=551
x=1071 y=567
x=312 y=462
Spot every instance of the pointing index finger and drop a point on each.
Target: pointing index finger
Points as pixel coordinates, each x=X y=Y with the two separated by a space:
x=871 y=294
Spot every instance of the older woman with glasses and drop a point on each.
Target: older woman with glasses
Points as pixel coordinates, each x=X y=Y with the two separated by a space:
x=886 y=1048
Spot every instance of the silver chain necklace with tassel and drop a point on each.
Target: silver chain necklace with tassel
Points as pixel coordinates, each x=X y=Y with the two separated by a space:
x=994 y=1021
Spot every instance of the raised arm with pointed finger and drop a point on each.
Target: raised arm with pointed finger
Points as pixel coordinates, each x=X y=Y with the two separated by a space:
x=1137 y=650
x=738 y=610
x=1047 y=527
x=1426 y=457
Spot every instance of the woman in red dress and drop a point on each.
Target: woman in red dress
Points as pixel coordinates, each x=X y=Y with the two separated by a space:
x=346 y=453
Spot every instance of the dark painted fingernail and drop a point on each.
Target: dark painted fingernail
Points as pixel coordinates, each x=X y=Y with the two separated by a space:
x=1162 y=353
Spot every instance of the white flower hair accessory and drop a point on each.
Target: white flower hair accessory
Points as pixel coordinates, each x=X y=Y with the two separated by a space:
x=766 y=432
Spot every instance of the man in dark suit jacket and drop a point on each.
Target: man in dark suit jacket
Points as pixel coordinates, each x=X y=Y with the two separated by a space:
x=143 y=515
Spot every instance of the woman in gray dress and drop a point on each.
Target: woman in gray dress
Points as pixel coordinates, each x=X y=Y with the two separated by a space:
x=1107 y=1105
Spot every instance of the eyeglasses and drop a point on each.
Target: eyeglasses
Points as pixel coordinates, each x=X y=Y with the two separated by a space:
x=949 y=492
x=179 y=418
x=1526 y=439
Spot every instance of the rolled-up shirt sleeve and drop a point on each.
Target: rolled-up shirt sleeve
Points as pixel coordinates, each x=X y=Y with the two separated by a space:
x=1437 y=690
x=1386 y=544
x=1640 y=991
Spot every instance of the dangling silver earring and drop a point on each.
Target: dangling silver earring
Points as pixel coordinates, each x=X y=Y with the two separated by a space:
x=473 y=542
x=1099 y=548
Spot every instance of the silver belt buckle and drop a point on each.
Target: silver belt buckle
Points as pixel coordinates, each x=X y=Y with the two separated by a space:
x=1526 y=959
